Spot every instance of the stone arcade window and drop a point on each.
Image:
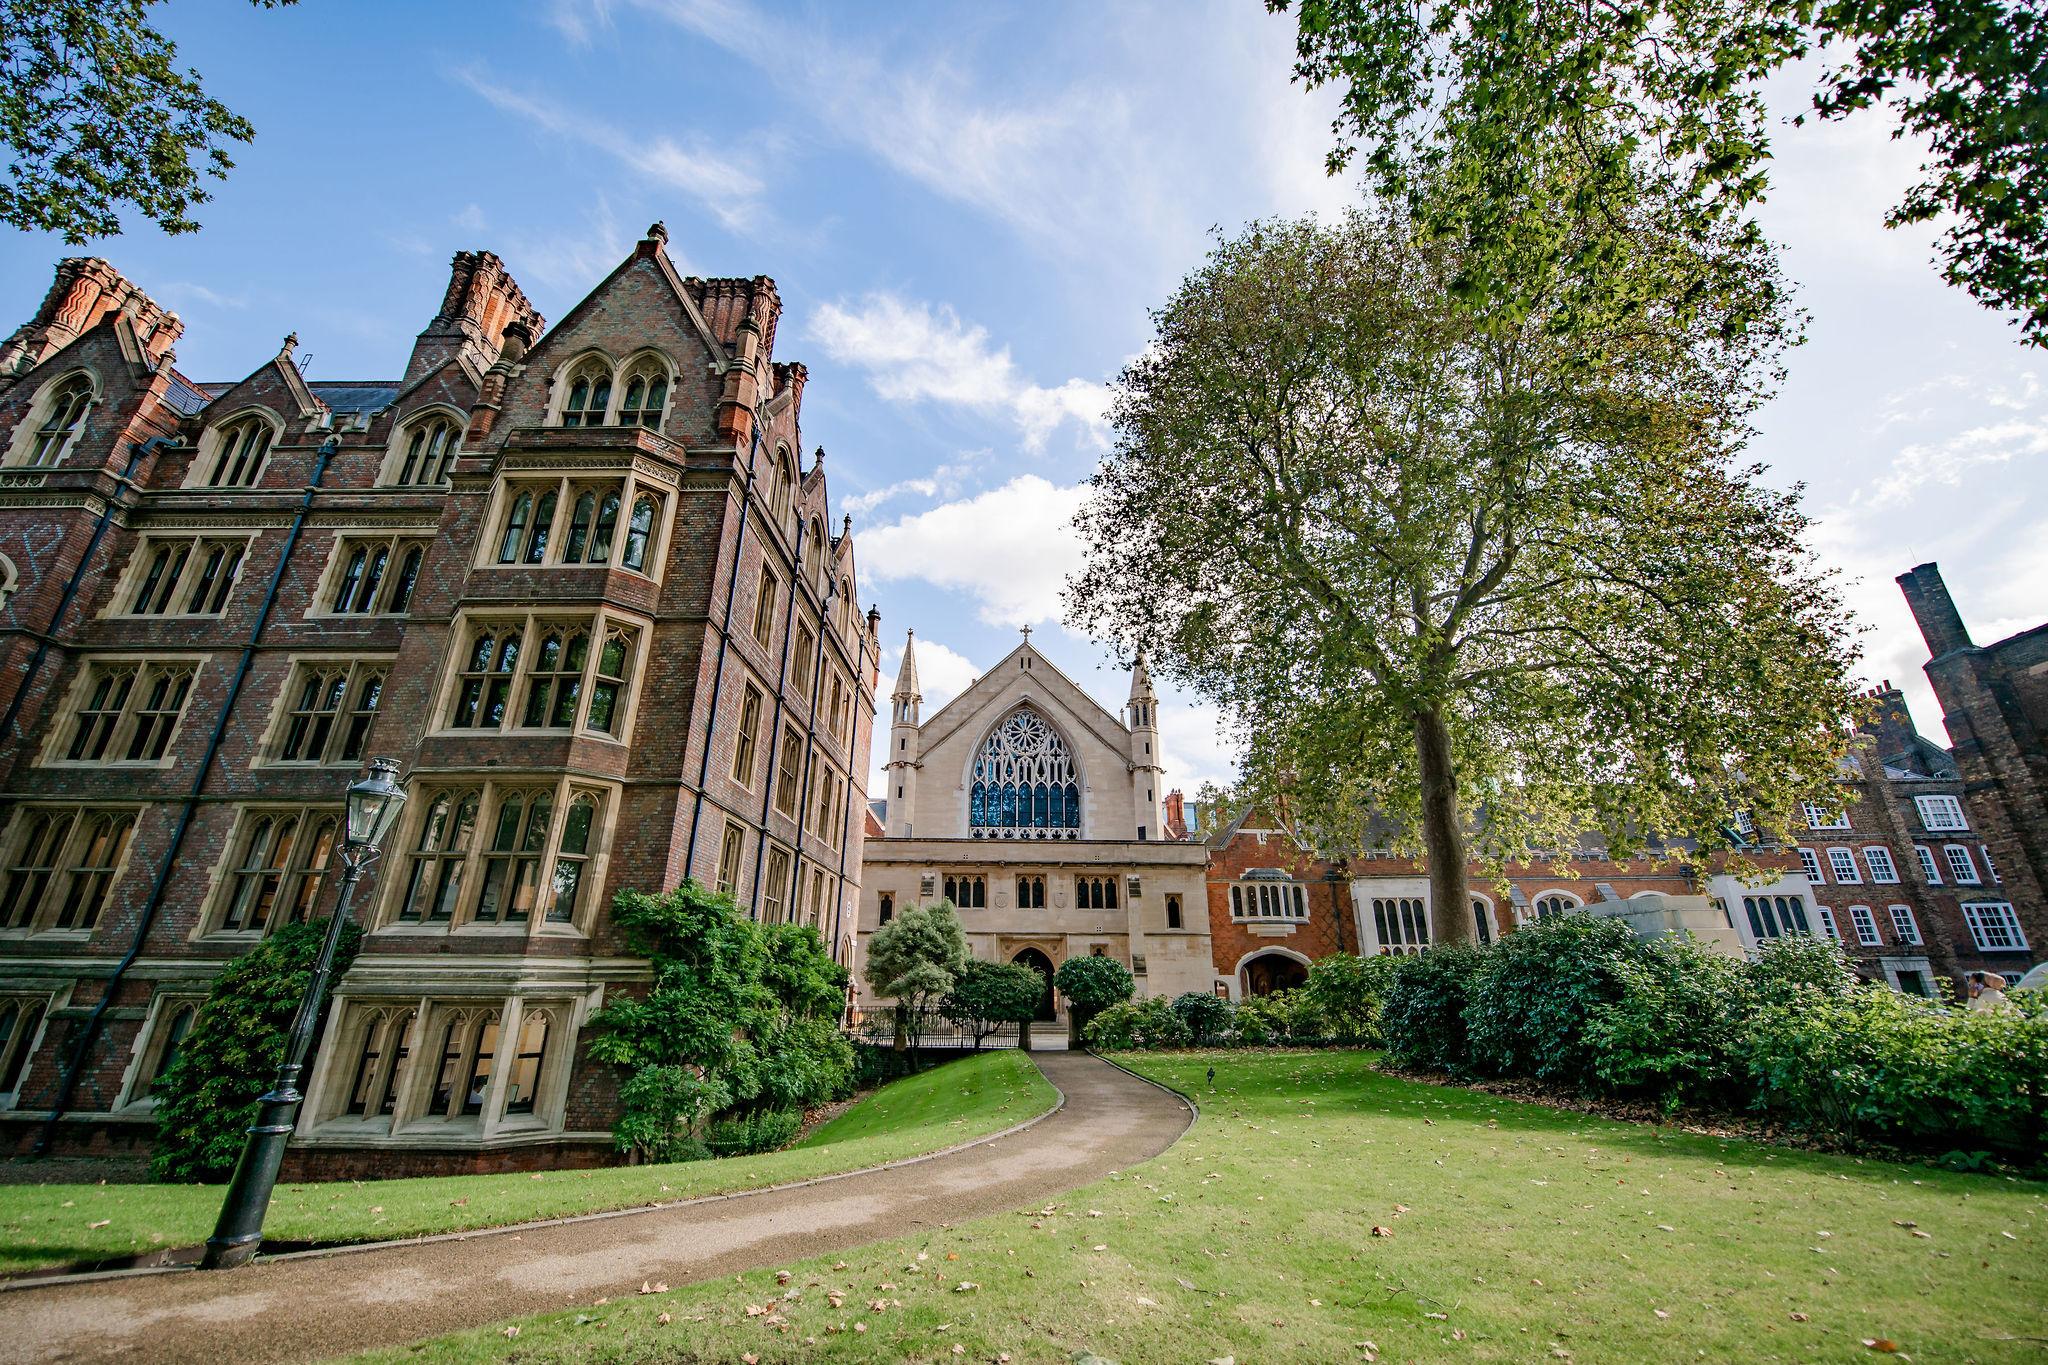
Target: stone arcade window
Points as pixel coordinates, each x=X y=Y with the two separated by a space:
x=509 y=853
x=1025 y=784
x=61 y=865
x=276 y=869
x=490 y=1066
x=1776 y=916
x=967 y=890
x=375 y=575
x=1095 y=893
x=1401 y=924
x=127 y=711
x=603 y=522
x=184 y=575
x=1268 y=900
x=329 y=708
x=425 y=452
x=545 y=673
x=21 y=1022
x=238 y=453
x=1031 y=892
x=64 y=410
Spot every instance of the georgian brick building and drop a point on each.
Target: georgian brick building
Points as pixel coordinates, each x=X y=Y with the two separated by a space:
x=576 y=579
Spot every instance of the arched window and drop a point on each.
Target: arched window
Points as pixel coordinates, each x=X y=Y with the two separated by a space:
x=785 y=485
x=438 y=858
x=486 y=687
x=524 y=1078
x=590 y=395
x=429 y=447
x=1024 y=784
x=639 y=531
x=537 y=534
x=238 y=458
x=512 y=867
x=609 y=686
x=555 y=683
x=579 y=527
x=64 y=418
x=1555 y=905
x=645 y=396
x=18 y=1025
x=572 y=860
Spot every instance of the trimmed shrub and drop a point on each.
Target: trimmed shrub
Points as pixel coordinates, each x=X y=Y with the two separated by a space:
x=1092 y=983
x=1422 y=1019
x=206 y=1098
x=766 y=1130
x=1786 y=968
x=1265 y=1020
x=1137 y=1024
x=1537 y=989
x=1674 y=1036
x=1207 y=1016
x=1346 y=992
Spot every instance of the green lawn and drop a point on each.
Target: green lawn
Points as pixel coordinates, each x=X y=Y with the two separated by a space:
x=44 y=1225
x=1516 y=1233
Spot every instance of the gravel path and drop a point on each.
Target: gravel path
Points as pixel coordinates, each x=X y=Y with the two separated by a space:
x=324 y=1304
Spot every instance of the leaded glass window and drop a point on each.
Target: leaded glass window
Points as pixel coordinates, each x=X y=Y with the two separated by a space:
x=1024 y=784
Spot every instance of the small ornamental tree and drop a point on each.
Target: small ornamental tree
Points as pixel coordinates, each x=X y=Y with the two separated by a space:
x=1092 y=984
x=987 y=995
x=206 y=1098
x=914 y=959
x=741 y=1021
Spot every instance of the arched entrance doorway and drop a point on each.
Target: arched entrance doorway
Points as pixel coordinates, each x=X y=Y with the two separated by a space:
x=1040 y=963
x=1272 y=972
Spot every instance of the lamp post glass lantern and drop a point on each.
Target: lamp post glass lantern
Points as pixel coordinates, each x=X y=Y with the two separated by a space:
x=373 y=805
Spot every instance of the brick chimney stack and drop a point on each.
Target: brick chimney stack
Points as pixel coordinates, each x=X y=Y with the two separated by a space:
x=1934 y=610
x=482 y=297
x=86 y=289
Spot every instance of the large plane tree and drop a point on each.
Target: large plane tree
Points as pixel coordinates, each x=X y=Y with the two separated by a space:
x=1495 y=576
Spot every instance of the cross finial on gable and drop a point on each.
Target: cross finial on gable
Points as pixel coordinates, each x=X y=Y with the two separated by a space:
x=1027 y=635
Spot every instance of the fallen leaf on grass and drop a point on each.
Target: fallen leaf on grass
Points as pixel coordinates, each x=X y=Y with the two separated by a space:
x=1882 y=1345
x=1440 y=1317
x=1379 y=1231
x=1799 y=1317
x=968 y=1287
x=511 y=1332
x=102 y=1223
x=1660 y=1312
x=860 y=1327
x=665 y=1319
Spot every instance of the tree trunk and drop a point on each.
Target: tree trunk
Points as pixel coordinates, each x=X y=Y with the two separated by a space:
x=1443 y=838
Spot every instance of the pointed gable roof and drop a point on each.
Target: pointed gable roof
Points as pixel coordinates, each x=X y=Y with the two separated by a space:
x=906 y=676
x=1047 y=677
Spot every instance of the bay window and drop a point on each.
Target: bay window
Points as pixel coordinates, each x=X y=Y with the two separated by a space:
x=545 y=673
x=505 y=853
x=576 y=521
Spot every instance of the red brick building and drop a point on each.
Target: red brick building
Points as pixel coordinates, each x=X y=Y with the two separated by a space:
x=576 y=579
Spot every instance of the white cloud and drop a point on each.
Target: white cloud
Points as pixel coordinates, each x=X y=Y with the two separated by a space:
x=942 y=673
x=573 y=261
x=727 y=190
x=471 y=219
x=1010 y=549
x=186 y=289
x=915 y=353
x=1195 y=746
x=1947 y=461
x=577 y=20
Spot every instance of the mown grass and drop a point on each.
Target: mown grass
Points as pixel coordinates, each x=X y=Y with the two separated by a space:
x=44 y=1225
x=1515 y=1232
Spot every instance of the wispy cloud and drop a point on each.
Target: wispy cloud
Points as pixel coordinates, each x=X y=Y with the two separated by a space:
x=470 y=219
x=727 y=190
x=1949 y=460
x=1009 y=549
x=572 y=261
x=915 y=353
x=185 y=289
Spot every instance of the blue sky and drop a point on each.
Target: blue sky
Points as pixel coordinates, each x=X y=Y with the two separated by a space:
x=968 y=210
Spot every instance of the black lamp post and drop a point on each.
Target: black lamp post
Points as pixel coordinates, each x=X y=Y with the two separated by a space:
x=373 y=806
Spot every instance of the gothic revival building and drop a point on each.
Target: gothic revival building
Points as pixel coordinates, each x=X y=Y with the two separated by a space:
x=575 y=578
x=1038 y=814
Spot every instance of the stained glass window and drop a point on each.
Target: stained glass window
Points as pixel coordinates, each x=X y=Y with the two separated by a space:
x=1024 y=785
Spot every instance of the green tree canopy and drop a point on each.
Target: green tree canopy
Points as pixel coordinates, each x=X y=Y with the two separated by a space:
x=1435 y=561
x=987 y=995
x=1458 y=104
x=96 y=114
x=1094 y=981
x=915 y=957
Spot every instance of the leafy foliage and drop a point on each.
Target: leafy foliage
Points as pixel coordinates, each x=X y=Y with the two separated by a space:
x=915 y=957
x=765 y=1130
x=1137 y=1024
x=1092 y=983
x=1347 y=991
x=1427 y=558
x=96 y=114
x=1537 y=989
x=739 y=1016
x=1207 y=1016
x=207 y=1097
x=1476 y=96
x=1675 y=1031
x=987 y=995
x=1269 y=1020
x=1422 y=1020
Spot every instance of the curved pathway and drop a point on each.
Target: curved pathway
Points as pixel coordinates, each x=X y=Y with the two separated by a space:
x=326 y=1303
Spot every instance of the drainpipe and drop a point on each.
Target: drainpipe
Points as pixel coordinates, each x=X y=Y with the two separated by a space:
x=732 y=584
x=136 y=450
x=69 y=1083
x=775 y=730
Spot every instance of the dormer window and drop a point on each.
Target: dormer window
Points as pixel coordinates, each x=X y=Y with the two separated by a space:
x=646 y=395
x=239 y=455
x=590 y=396
x=428 y=456
x=64 y=418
